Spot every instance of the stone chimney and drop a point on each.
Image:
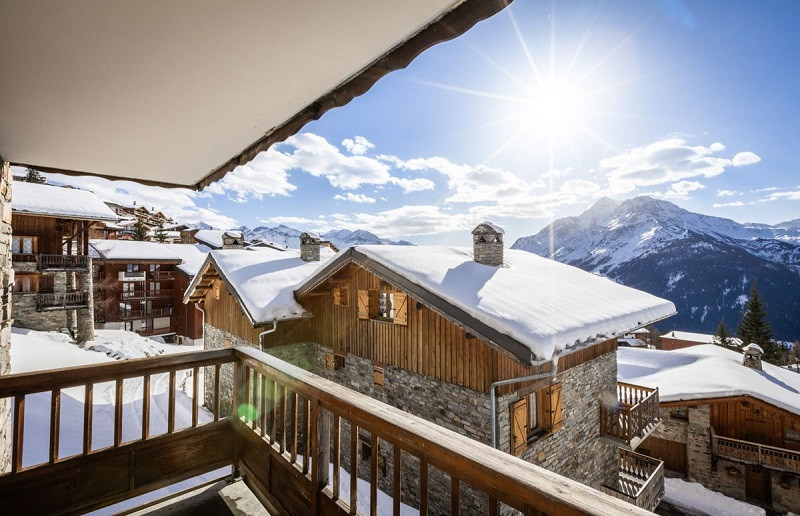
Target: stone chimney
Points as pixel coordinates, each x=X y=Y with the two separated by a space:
x=187 y=236
x=233 y=240
x=487 y=244
x=752 y=356
x=309 y=247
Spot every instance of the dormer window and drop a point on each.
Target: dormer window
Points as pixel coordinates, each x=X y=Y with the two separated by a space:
x=383 y=305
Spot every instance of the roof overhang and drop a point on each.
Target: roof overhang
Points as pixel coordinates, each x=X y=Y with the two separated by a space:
x=60 y=216
x=179 y=94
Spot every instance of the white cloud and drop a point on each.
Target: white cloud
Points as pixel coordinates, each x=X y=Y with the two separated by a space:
x=579 y=186
x=413 y=185
x=790 y=195
x=351 y=197
x=745 y=158
x=358 y=146
x=727 y=193
x=266 y=174
x=314 y=155
x=681 y=190
x=767 y=189
x=409 y=220
x=665 y=161
x=727 y=204
x=178 y=203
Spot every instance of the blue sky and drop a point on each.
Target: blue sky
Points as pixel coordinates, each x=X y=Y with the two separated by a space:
x=533 y=115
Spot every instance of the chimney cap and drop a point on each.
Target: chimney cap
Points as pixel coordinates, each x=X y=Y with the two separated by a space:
x=310 y=235
x=753 y=348
x=488 y=225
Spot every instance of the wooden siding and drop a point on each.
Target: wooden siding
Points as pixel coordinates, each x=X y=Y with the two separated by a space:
x=429 y=344
x=226 y=314
x=749 y=419
x=45 y=228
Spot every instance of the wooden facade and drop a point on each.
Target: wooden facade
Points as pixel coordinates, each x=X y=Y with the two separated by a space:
x=53 y=235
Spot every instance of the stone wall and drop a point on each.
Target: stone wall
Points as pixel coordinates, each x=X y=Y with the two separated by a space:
x=26 y=314
x=6 y=284
x=726 y=477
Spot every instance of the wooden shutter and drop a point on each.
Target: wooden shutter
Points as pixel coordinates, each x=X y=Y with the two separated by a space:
x=400 y=308
x=363 y=304
x=519 y=426
x=374 y=304
x=552 y=408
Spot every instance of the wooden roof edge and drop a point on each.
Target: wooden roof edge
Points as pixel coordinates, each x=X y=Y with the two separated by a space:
x=188 y=294
x=449 y=25
x=493 y=338
x=721 y=399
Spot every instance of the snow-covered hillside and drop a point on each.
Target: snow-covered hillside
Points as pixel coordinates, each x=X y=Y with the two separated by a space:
x=704 y=264
x=290 y=237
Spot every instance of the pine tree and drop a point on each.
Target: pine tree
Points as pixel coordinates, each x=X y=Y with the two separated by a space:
x=34 y=176
x=140 y=231
x=722 y=337
x=160 y=235
x=794 y=357
x=754 y=328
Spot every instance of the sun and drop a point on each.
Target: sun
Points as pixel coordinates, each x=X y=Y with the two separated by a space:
x=553 y=107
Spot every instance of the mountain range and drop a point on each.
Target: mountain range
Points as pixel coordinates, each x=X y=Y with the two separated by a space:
x=704 y=264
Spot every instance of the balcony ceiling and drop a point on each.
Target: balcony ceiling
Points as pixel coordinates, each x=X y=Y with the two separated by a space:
x=181 y=92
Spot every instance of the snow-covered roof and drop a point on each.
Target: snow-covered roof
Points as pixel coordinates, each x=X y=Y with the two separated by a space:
x=641 y=331
x=542 y=305
x=707 y=371
x=192 y=256
x=494 y=227
x=700 y=338
x=262 y=280
x=634 y=343
x=55 y=201
x=188 y=257
x=213 y=237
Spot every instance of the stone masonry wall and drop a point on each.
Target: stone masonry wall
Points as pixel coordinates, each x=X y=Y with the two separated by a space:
x=6 y=283
x=26 y=314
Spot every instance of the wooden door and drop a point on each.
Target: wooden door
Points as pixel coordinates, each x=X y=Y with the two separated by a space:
x=757 y=484
x=672 y=453
x=756 y=426
x=519 y=426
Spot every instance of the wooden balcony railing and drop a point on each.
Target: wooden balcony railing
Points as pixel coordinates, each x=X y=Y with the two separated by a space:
x=162 y=275
x=53 y=262
x=61 y=300
x=149 y=332
x=634 y=416
x=147 y=294
x=147 y=314
x=640 y=481
x=748 y=452
x=289 y=426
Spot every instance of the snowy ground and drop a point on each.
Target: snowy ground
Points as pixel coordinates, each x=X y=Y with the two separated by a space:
x=34 y=351
x=695 y=499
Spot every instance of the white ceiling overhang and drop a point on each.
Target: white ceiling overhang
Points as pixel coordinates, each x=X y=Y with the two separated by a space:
x=181 y=92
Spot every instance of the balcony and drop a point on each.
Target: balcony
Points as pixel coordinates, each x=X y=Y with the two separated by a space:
x=147 y=314
x=147 y=294
x=162 y=275
x=47 y=301
x=293 y=426
x=131 y=275
x=640 y=481
x=633 y=418
x=62 y=262
x=771 y=457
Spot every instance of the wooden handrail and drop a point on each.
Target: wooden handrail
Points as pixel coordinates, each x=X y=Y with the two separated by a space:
x=637 y=409
x=760 y=454
x=78 y=261
x=135 y=294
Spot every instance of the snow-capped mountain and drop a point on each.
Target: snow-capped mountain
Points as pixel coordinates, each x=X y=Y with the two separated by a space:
x=290 y=237
x=704 y=264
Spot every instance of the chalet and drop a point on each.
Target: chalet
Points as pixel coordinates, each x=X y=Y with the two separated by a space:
x=118 y=128
x=684 y=339
x=138 y=286
x=461 y=343
x=50 y=255
x=730 y=421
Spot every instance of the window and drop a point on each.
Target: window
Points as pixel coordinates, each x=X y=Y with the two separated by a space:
x=133 y=267
x=679 y=413
x=23 y=244
x=536 y=414
x=341 y=296
x=154 y=267
x=216 y=292
x=790 y=434
x=383 y=305
x=26 y=283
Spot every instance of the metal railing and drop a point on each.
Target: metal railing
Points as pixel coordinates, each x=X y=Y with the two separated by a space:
x=634 y=416
x=61 y=300
x=753 y=453
x=289 y=426
x=640 y=481
x=62 y=262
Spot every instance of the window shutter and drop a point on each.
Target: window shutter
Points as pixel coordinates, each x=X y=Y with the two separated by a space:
x=363 y=304
x=374 y=304
x=519 y=426
x=400 y=308
x=553 y=410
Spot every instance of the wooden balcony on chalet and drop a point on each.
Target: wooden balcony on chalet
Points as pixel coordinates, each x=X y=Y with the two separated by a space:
x=640 y=480
x=47 y=301
x=55 y=262
x=162 y=275
x=146 y=314
x=771 y=457
x=147 y=294
x=295 y=432
x=633 y=418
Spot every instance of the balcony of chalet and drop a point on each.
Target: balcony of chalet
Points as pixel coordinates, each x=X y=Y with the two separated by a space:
x=146 y=313
x=640 y=480
x=747 y=452
x=292 y=439
x=49 y=301
x=147 y=294
x=54 y=262
x=633 y=417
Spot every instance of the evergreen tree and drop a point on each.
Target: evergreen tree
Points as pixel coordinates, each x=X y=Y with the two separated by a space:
x=140 y=231
x=754 y=328
x=794 y=357
x=160 y=235
x=722 y=337
x=34 y=176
